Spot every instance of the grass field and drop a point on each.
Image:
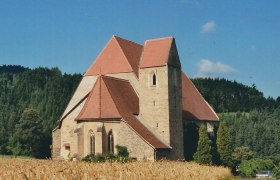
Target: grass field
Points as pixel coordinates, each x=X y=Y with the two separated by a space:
x=48 y=169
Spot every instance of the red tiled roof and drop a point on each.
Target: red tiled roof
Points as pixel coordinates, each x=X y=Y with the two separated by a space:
x=99 y=104
x=132 y=52
x=194 y=105
x=116 y=98
x=118 y=56
x=156 y=52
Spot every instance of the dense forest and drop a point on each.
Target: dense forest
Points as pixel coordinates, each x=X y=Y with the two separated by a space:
x=47 y=91
x=231 y=96
x=43 y=93
x=253 y=119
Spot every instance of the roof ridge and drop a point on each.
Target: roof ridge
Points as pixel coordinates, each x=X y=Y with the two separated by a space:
x=120 y=38
x=159 y=39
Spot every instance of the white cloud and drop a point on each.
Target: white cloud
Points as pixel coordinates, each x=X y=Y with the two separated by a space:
x=208 y=68
x=208 y=27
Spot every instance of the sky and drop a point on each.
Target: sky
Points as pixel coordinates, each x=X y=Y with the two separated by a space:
x=234 y=39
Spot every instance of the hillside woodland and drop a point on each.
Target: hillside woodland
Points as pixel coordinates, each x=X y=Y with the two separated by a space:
x=253 y=119
x=41 y=93
x=32 y=101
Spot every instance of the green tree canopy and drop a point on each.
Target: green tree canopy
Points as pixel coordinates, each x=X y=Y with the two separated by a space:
x=27 y=137
x=203 y=153
x=251 y=167
x=224 y=145
x=242 y=153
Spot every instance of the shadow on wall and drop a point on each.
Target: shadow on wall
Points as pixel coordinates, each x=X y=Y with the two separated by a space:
x=190 y=140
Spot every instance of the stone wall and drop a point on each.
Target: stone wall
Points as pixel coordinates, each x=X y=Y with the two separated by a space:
x=56 y=143
x=122 y=134
x=153 y=101
x=68 y=127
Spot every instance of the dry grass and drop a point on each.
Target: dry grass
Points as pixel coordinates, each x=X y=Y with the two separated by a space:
x=47 y=169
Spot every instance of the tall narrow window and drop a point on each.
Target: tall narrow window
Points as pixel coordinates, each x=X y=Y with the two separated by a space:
x=91 y=143
x=111 y=143
x=154 y=80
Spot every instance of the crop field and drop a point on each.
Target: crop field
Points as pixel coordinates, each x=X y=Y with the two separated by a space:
x=48 y=169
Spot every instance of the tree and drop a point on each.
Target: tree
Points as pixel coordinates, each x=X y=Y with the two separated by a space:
x=27 y=137
x=242 y=153
x=203 y=153
x=251 y=167
x=224 y=145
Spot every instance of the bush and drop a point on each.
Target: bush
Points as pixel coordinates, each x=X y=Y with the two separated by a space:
x=249 y=168
x=122 y=156
x=122 y=151
x=94 y=158
x=276 y=172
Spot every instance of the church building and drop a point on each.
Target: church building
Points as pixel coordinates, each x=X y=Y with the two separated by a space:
x=135 y=96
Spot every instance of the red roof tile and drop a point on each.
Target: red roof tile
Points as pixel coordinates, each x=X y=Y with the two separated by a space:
x=118 y=56
x=156 y=52
x=194 y=105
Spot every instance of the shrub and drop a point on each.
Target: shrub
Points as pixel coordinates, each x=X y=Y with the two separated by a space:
x=122 y=151
x=276 y=172
x=94 y=158
x=122 y=156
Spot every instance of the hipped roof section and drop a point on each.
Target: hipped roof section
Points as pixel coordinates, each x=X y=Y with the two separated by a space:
x=109 y=98
x=160 y=52
x=194 y=105
x=118 y=56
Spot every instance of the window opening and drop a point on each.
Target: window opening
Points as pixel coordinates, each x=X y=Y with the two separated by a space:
x=154 y=79
x=92 y=143
x=111 y=142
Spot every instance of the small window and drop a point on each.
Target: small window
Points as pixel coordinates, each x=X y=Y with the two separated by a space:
x=111 y=143
x=91 y=143
x=154 y=79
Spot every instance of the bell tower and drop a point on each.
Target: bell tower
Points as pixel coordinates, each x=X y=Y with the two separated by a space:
x=160 y=92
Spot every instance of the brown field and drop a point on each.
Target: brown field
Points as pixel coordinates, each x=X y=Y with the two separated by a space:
x=48 y=169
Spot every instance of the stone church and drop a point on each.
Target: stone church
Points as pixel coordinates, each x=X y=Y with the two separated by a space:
x=135 y=96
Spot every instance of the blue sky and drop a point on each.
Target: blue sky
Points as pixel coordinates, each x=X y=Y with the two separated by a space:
x=235 y=39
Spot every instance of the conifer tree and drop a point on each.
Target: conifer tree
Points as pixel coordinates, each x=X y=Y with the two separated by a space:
x=27 y=137
x=224 y=145
x=203 y=153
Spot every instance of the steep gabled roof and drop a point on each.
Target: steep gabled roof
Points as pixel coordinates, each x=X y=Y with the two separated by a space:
x=118 y=56
x=99 y=104
x=194 y=105
x=157 y=52
x=132 y=52
x=113 y=98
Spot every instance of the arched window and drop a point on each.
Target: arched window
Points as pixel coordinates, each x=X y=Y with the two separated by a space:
x=91 y=142
x=154 y=79
x=111 y=143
